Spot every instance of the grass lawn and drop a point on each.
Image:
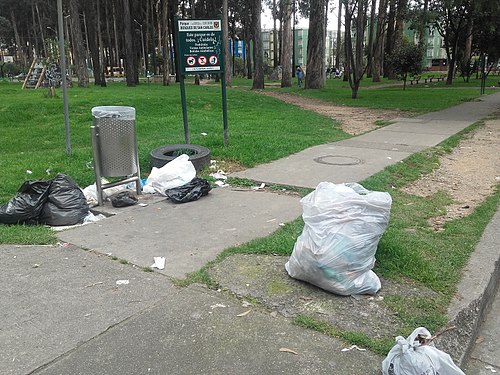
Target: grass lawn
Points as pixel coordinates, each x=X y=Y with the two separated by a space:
x=32 y=140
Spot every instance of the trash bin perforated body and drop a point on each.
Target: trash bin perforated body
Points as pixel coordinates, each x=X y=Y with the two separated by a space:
x=114 y=144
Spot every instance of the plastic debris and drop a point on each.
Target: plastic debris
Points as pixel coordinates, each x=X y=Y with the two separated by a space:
x=244 y=313
x=353 y=347
x=491 y=368
x=217 y=305
x=260 y=187
x=192 y=191
x=159 y=262
x=122 y=282
x=417 y=355
x=123 y=199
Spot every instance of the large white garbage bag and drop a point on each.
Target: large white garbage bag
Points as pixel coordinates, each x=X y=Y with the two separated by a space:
x=336 y=250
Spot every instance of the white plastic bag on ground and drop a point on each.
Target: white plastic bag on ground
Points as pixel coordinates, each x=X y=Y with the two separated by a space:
x=176 y=173
x=411 y=357
x=343 y=224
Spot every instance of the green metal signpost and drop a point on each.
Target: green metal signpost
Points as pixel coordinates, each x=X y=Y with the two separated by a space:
x=200 y=49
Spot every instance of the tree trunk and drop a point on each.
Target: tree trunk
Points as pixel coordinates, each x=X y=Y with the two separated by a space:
x=315 y=46
x=286 y=72
x=93 y=44
x=378 y=49
x=102 y=65
x=20 y=56
x=118 y=61
x=258 y=54
x=390 y=40
x=130 y=55
x=423 y=24
x=227 y=57
x=401 y=14
x=339 y=37
x=354 y=56
x=78 y=46
x=371 y=37
x=275 y=37
x=166 y=43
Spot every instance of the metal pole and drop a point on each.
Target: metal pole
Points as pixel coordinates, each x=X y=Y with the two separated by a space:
x=184 y=109
x=224 y=108
x=63 y=74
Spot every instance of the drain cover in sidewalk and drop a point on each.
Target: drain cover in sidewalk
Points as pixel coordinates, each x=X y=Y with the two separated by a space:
x=338 y=160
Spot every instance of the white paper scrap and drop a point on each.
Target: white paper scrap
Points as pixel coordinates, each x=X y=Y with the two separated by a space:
x=159 y=263
x=353 y=347
x=122 y=282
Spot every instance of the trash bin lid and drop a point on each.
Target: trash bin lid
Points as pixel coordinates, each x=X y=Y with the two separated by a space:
x=125 y=113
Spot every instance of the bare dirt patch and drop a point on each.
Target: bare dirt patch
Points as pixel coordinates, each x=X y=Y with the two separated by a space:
x=354 y=121
x=469 y=174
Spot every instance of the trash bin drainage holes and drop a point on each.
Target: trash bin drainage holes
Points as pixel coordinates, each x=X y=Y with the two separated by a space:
x=338 y=160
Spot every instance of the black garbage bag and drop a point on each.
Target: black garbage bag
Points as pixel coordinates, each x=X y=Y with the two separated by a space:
x=192 y=191
x=66 y=204
x=25 y=207
x=123 y=199
x=54 y=202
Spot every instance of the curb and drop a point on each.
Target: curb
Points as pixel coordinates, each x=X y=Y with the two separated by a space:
x=474 y=295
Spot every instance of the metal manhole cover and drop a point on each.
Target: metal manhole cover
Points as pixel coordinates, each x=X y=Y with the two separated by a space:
x=338 y=160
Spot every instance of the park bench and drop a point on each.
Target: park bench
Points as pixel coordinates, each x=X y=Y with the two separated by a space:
x=442 y=77
x=414 y=79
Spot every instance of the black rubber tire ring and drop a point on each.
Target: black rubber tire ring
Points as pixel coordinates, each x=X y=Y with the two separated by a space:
x=162 y=155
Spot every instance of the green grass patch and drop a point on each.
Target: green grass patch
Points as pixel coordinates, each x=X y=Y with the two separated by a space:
x=379 y=346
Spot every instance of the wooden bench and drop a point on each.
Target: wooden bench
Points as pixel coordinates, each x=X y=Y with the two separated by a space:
x=414 y=79
x=442 y=77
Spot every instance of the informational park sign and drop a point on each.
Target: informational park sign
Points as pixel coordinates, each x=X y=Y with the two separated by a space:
x=200 y=46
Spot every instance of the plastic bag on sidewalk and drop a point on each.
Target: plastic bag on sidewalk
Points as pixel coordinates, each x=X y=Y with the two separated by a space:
x=66 y=204
x=176 y=173
x=417 y=356
x=189 y=192
x=123 y=199
x=26 y=206
x=343 y=224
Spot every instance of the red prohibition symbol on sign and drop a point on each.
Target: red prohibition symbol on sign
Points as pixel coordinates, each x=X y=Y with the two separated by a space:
x=191 y=60
x=212 y=60
x=202 y=60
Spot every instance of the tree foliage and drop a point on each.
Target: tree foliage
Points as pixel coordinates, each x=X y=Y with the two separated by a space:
x=407 y=59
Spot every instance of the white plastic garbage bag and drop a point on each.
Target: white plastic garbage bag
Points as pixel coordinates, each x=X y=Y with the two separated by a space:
x=336 y=250
x=411 y=357
x=176 y=173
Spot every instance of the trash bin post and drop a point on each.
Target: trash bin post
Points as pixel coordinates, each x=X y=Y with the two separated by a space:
x=114 y=146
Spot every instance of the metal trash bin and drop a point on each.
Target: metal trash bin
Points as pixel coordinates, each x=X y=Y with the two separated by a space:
x=114 y=146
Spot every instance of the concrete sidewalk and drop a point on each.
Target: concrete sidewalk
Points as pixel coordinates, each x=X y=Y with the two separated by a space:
x=66 y=310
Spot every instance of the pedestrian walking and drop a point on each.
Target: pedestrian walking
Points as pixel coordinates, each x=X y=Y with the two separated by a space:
x=300 y=76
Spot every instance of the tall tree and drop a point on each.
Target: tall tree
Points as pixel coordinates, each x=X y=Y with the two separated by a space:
x=78 y=45
x=258 y=54
x=355 y=11
x=315 y=45
x=378 y=48
x=452 y=17
x=130 y=53
x=371 y=37
x=339 y=37
x=286 y=72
